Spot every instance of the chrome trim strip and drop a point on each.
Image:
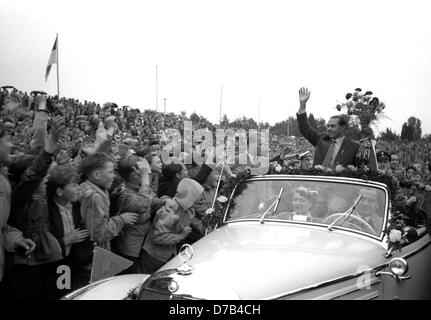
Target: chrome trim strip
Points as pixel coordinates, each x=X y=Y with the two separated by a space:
x=318 y=285
x=81 y=291
x=343 y=291
x=321 y=178
x=228 y=205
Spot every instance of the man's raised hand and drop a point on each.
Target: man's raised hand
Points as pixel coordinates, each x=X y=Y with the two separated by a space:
x=304 y=95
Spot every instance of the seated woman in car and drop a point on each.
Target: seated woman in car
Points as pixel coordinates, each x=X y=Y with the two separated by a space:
x=303 y=201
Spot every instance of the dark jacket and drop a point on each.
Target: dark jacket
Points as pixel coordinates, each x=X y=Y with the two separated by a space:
x=168 y=188
x=346 y=154
x=142 y=201
x=56 y=223
x=203 y=174
x=23 y=192
x=29 y=213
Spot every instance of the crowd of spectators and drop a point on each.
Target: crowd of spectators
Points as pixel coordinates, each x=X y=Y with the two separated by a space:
x=409 y=153
x=78 y=174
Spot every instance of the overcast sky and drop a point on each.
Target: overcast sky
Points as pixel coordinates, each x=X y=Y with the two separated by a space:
x=108 y=51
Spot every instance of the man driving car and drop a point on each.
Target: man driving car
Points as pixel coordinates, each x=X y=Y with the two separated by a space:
x=368 y=209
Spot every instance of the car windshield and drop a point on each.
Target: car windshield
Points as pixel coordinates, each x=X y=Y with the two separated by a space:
x=317 y=202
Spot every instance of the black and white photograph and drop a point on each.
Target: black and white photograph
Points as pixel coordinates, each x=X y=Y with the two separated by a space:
x=232 y=151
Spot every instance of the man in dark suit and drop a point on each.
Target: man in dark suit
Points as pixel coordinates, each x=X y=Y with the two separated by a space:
x=332 y=147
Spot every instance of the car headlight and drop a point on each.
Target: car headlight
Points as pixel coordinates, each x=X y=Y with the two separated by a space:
x=173 y=286
x=398 y=266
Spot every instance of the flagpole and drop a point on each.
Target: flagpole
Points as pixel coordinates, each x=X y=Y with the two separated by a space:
x=58 y=79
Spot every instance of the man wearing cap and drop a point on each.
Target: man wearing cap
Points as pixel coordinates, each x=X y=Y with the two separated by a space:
x=383 y=161
x=384 y=166
x=333 y=147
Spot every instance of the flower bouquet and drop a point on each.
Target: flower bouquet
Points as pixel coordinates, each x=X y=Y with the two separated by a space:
x=364 y=109
x=396 y=232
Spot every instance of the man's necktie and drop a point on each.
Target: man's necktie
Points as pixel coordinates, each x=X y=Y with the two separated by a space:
x=329 y=158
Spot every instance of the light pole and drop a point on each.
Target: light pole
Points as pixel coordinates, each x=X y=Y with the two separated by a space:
x=258 y=114
x=157 y=90
x=221 y=102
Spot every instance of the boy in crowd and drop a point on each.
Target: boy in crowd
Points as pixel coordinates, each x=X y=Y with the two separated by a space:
x=98 y=170
x=135 y=196
x=171 y=225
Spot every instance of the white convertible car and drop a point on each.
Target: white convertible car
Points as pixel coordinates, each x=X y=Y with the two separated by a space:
x=291 y=237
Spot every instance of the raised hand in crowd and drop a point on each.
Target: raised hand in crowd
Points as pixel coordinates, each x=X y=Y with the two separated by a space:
x=111 y=126
x=144 y=167
x=62 y=157
x=56 y=134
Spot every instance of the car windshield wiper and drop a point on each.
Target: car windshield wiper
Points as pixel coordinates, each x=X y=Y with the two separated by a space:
x=276 y=202
x=346 y=214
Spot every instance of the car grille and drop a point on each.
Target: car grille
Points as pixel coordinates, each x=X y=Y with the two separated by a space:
x=156 y=287
x=148 y=294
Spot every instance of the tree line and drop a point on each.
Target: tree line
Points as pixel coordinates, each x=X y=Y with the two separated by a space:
x=410 y=131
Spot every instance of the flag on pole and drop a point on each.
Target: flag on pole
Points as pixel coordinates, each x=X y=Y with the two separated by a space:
x=52 y=59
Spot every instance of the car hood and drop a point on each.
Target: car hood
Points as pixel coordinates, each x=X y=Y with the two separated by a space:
x=115 y=288
x=249 y=260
